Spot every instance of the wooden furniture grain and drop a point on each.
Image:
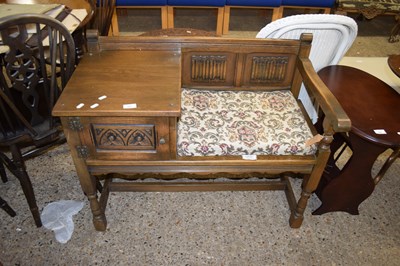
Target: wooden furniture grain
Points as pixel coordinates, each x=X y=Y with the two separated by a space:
x=121 y=110
x=372 y=106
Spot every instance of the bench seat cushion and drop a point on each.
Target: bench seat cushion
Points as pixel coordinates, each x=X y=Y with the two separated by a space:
x=216 y=123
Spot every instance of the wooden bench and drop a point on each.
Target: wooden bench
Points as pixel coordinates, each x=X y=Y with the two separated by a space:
x=200 y=108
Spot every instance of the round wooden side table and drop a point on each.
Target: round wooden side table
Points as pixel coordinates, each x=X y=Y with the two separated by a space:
x=374 y=108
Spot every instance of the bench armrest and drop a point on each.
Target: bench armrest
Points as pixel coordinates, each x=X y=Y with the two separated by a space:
x=330 y=106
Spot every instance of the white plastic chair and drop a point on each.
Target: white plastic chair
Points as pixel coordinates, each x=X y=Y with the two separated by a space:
x=333 y=35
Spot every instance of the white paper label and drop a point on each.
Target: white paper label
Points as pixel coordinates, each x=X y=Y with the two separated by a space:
x=129 y=106
x=79 y=106
x=102 y=97
x=251 y=157
x=94 y=105
x=380 y=131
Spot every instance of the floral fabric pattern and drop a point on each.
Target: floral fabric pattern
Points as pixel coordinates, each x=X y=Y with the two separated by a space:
x=216 y=123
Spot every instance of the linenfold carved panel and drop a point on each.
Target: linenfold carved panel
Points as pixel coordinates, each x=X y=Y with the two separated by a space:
x=208 y=68
x=126 y=137
x=268 y=69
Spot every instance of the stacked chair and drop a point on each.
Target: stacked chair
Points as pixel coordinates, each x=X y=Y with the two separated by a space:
x=333 y=35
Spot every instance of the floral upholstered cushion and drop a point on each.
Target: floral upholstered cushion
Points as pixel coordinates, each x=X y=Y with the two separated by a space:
x=215 y=123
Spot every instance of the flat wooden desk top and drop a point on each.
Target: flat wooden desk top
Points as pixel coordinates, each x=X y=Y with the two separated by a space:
x=370 y=103
x=149 y=79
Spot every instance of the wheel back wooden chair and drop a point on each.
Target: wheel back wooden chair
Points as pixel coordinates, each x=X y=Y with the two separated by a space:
x=333 y=35
x=103 y=16
x=37 y=60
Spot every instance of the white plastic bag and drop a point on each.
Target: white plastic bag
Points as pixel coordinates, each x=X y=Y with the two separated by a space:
x=57 y=216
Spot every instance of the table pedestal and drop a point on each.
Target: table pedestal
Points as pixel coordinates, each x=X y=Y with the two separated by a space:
x=344 y=190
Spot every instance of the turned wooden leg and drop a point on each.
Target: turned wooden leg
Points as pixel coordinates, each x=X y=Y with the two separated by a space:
x=296 y=217
x=87 y=181
x=89 y=187
x=309 y=185
x=99 y=218
x=20 y=172
x=311 y=182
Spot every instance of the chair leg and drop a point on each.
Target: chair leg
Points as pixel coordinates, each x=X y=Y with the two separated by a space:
x=4 y=205
x=296 y=218
x=30 y=196
x=99 y=186
x=19 y=170
x=3 y=173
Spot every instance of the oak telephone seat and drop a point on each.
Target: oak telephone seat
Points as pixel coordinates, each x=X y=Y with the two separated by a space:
x=238 y=118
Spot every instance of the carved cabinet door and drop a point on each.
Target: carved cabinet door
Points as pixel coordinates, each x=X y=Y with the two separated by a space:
x=126 y=138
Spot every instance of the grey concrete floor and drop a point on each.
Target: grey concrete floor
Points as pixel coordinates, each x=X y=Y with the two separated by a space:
x=198 y=228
